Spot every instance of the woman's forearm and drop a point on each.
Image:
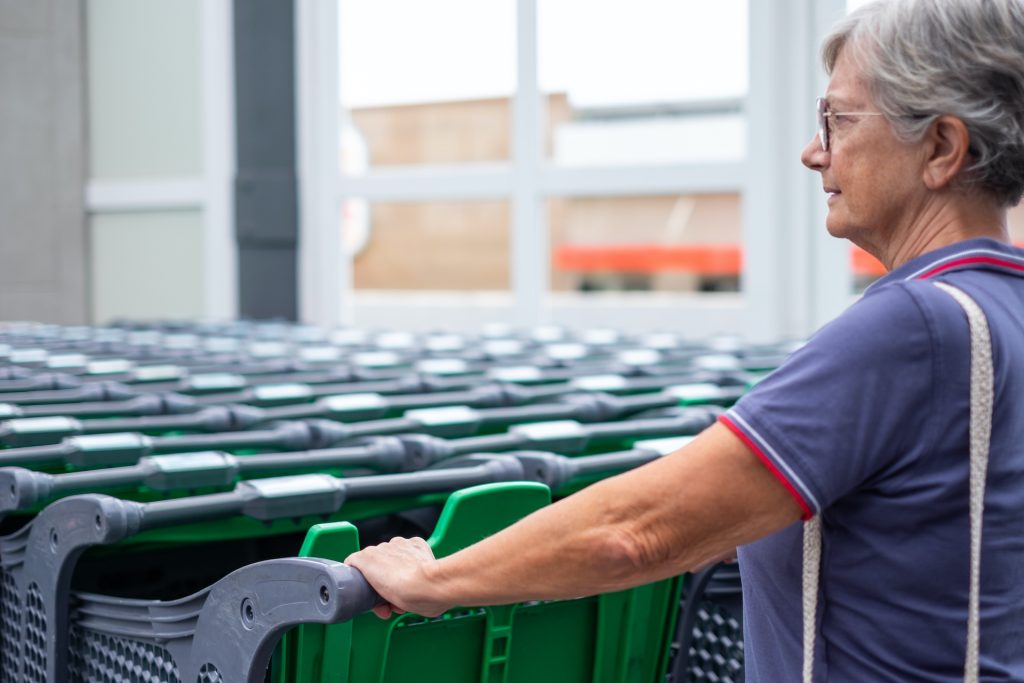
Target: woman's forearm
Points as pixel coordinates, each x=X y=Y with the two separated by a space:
x=667 y=517
x=578 y=546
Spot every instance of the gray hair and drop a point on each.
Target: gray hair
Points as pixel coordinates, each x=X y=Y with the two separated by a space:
x=923 y=59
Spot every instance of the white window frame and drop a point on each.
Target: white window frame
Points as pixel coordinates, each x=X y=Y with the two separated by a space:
x=793 y=277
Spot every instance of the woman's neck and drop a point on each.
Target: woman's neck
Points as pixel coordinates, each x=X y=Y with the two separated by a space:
x=942 y=223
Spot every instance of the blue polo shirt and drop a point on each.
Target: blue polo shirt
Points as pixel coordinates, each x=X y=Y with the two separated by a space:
x=868 y=425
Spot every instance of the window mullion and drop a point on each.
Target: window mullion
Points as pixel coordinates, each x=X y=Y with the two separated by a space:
x=529 y=250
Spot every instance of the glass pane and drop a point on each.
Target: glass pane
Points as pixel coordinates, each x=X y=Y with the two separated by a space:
x=425 y=82
x=143 y=88
x=851 y=5
x=643 y=81
x=453 y=246
x=684 y=243
x=146 y=266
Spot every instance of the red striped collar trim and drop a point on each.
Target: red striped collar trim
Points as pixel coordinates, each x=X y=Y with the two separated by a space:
x=970 y=258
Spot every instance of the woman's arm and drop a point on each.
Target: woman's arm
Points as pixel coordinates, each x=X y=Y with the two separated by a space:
x=676 y=514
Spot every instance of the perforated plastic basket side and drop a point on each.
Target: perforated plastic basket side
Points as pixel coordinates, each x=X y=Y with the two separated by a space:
x=97 y=657
x=11 y=612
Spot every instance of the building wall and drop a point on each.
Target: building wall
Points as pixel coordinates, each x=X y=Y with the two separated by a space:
x=42 y=162
x=436 y=246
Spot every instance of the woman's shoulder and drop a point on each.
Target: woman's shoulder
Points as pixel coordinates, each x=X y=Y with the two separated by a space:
x=882 y=315
x=901 y=325
x=905 y=303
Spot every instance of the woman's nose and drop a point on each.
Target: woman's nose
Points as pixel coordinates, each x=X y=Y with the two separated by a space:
x=813 y=156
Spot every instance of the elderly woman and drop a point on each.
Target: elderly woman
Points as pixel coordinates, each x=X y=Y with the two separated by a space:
x=865 y=433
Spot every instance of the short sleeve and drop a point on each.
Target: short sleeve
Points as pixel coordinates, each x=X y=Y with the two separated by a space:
x=848 y=404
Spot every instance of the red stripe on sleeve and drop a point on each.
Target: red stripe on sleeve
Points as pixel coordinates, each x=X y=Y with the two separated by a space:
x=731 y=426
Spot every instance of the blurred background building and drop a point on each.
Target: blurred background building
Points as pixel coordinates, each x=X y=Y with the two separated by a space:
x=396 y=163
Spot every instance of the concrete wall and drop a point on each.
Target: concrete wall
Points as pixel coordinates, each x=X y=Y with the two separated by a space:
x=42 y=162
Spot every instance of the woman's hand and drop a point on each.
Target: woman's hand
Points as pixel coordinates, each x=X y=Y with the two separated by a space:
x=399 y=571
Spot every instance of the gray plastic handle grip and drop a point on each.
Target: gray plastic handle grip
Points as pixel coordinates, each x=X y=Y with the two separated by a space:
x=249 y=610
x=319 y=494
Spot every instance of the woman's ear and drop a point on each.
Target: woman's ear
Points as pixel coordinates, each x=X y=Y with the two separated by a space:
x=948 y=143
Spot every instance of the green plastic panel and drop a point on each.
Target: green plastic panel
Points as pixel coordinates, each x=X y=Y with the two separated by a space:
x=620 y=637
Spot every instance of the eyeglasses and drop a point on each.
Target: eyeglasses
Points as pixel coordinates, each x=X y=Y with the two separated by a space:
x=824 y=117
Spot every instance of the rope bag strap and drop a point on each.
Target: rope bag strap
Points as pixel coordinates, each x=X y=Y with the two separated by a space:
x=982 y=391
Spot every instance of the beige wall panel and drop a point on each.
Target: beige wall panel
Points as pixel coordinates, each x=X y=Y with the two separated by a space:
x=144 y=88
x=147 y=265
x=438 y=246
x=436 y=133
x=463 y=131
x=689 y=219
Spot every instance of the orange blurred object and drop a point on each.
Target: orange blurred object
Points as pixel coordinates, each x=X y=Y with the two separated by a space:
x=864 y=263
x=701 y=259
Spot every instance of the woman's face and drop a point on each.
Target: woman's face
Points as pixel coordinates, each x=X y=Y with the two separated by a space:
x=873 y=180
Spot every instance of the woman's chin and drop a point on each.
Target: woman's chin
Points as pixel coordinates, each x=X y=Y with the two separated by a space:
x=836 y=228
x=838 y=223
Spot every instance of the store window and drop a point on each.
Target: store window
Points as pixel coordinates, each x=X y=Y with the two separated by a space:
x=425 y=83
x=661 y=243
x=639 y=111
x=644 y=81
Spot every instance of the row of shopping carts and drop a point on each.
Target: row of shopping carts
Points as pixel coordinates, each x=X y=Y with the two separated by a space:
x=176 y=500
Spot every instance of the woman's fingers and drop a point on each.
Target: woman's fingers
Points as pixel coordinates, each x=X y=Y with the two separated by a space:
x=396 y=571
